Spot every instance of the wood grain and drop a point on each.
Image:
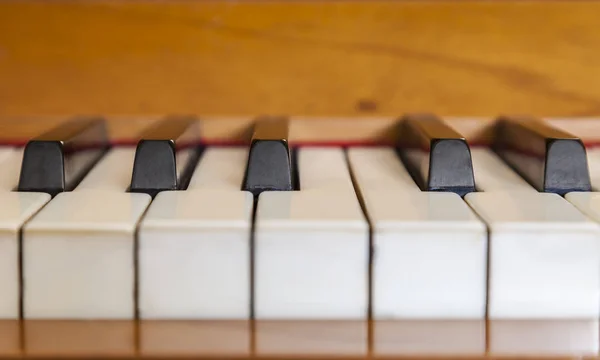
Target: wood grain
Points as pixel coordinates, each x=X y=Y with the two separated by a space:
x=341 y=58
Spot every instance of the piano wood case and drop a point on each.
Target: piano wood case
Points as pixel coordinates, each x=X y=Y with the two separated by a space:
x=341 y=75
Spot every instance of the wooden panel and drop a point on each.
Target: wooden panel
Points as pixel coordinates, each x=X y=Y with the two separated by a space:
x=344 y=58
x=303 y=130
x=409 y=339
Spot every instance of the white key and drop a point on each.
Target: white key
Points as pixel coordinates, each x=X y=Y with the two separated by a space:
x=430 y=248
x=544 y=256
x=324 y=170
x=222 y=168
x=112 y=172
x=194 y=253
x=16 y=209
x=492 y=174
x=312 y=245
x=381 y=168
x=79 y=256
x=593 y=156
x=10 y=163
x=79 y=251
x=586 y=202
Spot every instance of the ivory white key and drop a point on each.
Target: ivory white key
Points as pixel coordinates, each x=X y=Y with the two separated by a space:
x=79 y=256
x=113 y=171
x=593 y=157
x=10 y=163
x=430 y=248
x=194 y=245
x=380 y=167
x=586 y=202
x=492 y=174
x=222 y=168
x=312 y=246
x=16 y=209
x=544 y=256
x=79 y=250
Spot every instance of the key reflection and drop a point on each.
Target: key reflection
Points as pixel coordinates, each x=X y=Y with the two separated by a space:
x=79 y=338
x=543 y=337
x=341 y=338
x=451 y=338
x=429 y=337
x=10 y=338
x=207 y=338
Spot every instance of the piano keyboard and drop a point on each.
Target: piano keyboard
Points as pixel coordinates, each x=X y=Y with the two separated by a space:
x=432 y=228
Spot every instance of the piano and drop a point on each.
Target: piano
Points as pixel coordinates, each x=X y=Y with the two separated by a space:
x=417 y=235
x=299 y=179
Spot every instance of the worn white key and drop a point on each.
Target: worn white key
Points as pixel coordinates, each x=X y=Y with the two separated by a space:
x=16 y=209
x=113 y=171
x=492 y=174
x=544 y=256
x=10 y=163
x=194 y=253
x=430 y=248
x=312 y=245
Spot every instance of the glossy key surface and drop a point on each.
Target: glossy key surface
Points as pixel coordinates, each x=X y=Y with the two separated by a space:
x=269 y=165
x=437 y=156
x=551 y=160
x=166 y=156
x=57 y=160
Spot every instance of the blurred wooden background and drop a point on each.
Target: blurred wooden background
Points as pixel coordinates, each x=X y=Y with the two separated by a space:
x=342 y=58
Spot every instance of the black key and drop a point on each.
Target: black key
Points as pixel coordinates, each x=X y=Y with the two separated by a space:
x=269 y=165
x=166 y=156
x=57 y=160
x=551 y=160
x=437 y=157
